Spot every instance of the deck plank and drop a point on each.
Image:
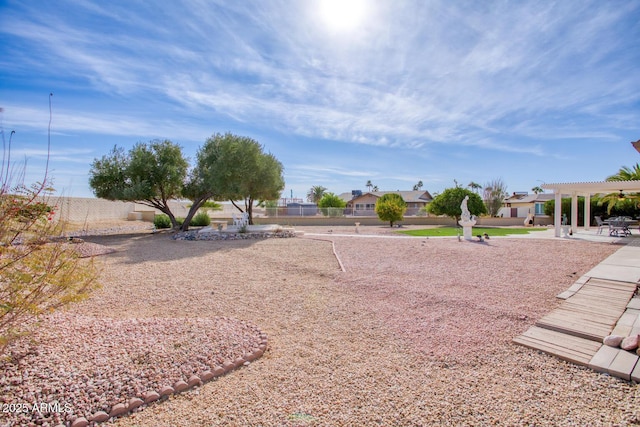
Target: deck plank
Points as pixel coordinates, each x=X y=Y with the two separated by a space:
x=572 y=349
x=593 y=311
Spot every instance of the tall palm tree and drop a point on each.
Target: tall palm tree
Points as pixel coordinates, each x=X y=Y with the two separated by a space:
x=369 y=184
x=315 y=193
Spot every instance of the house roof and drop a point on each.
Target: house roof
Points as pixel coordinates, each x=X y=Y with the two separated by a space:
x=407 y=196
x=529 y=198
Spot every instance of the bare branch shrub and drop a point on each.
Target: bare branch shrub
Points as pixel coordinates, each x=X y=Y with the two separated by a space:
x=37 y=274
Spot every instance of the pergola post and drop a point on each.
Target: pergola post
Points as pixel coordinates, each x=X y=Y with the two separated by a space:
x=557 y=212
x=587 y=211
x=574 y=212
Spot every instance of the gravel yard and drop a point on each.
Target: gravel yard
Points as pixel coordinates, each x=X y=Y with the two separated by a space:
x=415 y=332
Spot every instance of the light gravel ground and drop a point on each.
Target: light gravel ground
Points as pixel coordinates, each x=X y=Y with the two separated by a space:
x=415 y=332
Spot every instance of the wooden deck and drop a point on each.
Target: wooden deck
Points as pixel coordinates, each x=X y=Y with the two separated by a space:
x=575 y=330
x=593 y=311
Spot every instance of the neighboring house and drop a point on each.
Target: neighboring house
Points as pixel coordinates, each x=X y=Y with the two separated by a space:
x=364 y=204
x=521 y=204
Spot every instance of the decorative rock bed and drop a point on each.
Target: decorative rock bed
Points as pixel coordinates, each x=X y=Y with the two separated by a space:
x=196 y=235
x=88 y=370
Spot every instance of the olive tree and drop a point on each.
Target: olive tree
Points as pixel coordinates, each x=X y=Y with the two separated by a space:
x=150 y=174
x=391 y=207
x=236 y=168
x=448 y=203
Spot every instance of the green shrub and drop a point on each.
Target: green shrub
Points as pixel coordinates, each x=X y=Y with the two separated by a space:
x=201 y=219
x=331 y=205
x=162 y=221
x=391 y=207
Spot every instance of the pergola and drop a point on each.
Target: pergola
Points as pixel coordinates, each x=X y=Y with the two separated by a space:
x=586 y=189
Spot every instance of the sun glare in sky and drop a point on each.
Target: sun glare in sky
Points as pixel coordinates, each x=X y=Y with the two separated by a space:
x=342 y=15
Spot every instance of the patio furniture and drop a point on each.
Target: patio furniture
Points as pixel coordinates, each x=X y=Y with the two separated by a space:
x=619 y=227
x=600 y=223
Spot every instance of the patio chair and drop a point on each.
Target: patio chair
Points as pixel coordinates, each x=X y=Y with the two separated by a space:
x=600 y=223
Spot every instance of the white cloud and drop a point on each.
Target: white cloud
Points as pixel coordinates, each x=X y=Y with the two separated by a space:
x=413 y=75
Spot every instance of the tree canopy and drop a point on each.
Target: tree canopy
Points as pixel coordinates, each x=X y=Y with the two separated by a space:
x=331 y=204
x=474 y=186
x=448 y=203
x=227 y=167
x=391 y=207
x=236 y=168
x=613 y=200
x=626 y=173
x=316 y=193
x=150 y=174
x=494 y=194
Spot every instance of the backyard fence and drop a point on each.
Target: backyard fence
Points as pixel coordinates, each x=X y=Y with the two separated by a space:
x=79 y=209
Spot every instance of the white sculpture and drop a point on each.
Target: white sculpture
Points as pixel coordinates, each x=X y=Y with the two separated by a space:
x=467 y=220
x=466 y=215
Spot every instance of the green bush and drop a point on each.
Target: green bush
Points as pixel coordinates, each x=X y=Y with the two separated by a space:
x=162 y=221
x=391 y=207
x=201 y=219
x=331 y=200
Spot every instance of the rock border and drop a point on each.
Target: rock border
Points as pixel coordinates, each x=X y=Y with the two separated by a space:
x=150 y=396
x=196 y=235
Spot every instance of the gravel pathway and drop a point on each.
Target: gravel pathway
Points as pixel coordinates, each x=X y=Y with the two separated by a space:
x=415 y=332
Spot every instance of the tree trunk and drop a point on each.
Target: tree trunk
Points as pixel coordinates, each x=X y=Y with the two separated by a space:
x=162 y=207
x=249 y=205
x=197 y=204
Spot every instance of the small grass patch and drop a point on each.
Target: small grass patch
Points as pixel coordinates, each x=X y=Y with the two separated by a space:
x=454 y=231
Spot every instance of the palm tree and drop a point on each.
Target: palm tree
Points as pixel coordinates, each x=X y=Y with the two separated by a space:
x=369 y=185
x=418 y=186
x=474 y=186
x=315 y=193
x=375 y=188
x=624 y=174
x=537 y=190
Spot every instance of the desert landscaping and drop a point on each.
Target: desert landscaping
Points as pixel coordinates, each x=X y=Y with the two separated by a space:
x=413 y=332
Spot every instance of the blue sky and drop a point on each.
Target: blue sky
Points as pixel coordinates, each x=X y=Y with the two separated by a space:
x=340 y=92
